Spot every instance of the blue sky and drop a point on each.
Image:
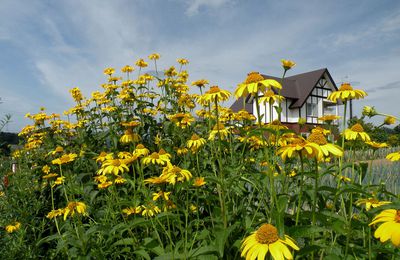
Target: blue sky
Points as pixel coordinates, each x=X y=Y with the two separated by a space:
x=48 y=47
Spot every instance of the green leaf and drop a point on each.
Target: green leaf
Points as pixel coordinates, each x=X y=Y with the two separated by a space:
x=124 y=241
x=205 y=250
x=142 y=253
x=306 y=231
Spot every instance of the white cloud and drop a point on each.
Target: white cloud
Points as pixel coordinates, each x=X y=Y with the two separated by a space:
x=195 y=5
x=366 y=34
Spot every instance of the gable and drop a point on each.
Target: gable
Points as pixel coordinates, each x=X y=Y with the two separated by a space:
x=298 y=88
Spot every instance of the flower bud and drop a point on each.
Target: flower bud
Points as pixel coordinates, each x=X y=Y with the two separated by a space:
x=369 y=111
x=389 y=120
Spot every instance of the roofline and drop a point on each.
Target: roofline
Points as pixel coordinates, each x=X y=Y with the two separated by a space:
x=330 y=78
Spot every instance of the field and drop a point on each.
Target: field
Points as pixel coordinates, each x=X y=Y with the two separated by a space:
x=145 y=170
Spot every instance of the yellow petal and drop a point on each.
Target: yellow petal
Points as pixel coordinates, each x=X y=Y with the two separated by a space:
x=289 y=241
x=263 y=252
x=276 y=250
x=384 y=231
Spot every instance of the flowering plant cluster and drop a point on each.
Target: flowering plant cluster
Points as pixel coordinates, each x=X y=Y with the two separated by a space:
x=146 y=169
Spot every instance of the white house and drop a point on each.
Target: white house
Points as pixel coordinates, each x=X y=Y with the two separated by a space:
x=305 y=97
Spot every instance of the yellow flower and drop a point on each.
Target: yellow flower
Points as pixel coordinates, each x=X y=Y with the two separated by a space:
x=393 y=156
x=346 y=92
x=328 y=118
x=150 y=211
x=216 y=94
x=199 y=181
x=243 y=115
x=50 y=175
x=390 y=229
x=200 y=83
x=46 y=169
x=356 y=131
x=155 y=158
x=221 y=130
x=76 y=94
x=66 y=158
x=127 y=69
x=181 y=151
x=182 y=61
x=369 y=111
x=129 y=137
x=287 y=64
x=298 y=146
x=104 y=185
x=389 y=120
x=55 y=213
x=59 y=180
x=154 y=56
x=195 y=142
x=140 y=150
x=255 y=83
x=132 y=210
x=161 y=194
x=270 y=97
x=344 y=178
x=320 y=130
x=325 y=148
x=264 y=240
x=371 y=202
x=109 y=71
x=141 y=63
x=114 y=166
x=75 y=207
x=193 y=208
x=172 y=174
x=103 y=156
x=156 y=180
x=119 y=180
x=181 y=120
x=376 y=145
x=14 y=227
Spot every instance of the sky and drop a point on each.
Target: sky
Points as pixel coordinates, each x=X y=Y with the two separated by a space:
x=48 y=47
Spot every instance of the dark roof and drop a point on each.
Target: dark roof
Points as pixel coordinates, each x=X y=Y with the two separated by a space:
x=238 y=105
x=297 y=87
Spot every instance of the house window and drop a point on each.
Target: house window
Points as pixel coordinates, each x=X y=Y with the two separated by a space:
x=312 y=109
x=329 y=109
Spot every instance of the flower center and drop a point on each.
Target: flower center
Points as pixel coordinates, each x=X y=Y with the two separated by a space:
x=59 y=149
x=179 y=116
x=296 y=141
x=345 y=86
x=155 y=156
x=276 y=122
x=357 y=128
x=194 y=137
x=253 y=77
x=397 y=217
x=219 y=126
x=269 y=93
x=128 y=132
x=317 y=138
x=267 y=234
x=115 y=162
x=214 y=89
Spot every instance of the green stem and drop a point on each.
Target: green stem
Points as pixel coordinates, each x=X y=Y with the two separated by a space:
x=301 y=188
x=315 y=197
x=279 y=93
x=258 y=110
